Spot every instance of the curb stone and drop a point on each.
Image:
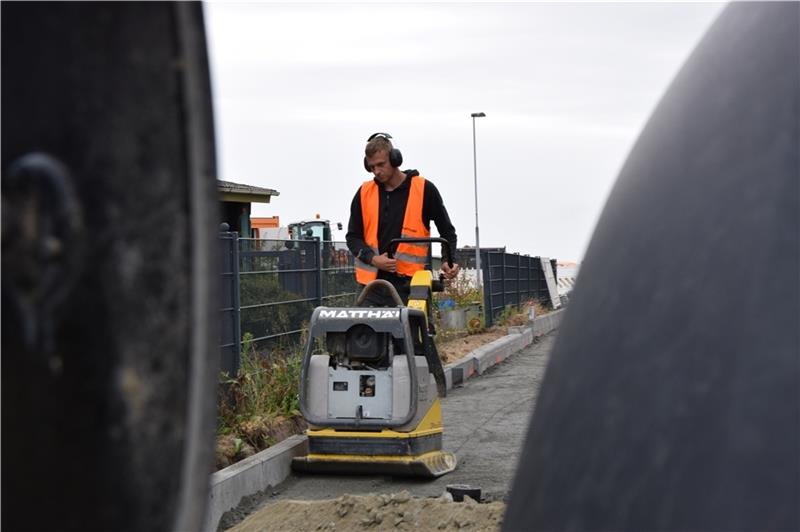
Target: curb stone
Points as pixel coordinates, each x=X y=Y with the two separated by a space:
x=460 y=370
x=273 y=465
x=266 y=468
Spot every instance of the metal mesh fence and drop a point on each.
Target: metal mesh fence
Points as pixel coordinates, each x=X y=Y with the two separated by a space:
x=511 y=279
x=271 y=287
x=280 y=282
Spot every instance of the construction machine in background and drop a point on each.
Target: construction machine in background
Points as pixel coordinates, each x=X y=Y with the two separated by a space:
x=308 y=229
x=269 y=229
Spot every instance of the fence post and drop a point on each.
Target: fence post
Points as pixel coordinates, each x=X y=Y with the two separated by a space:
x=231 y=336
x=540 y=280
x=519 y=294
x=528 y=269
x=237 y=318
x=318 y=244
x=503 y=283
x=487 y=288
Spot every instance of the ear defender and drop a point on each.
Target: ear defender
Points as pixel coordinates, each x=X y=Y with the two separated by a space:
x=395 y=157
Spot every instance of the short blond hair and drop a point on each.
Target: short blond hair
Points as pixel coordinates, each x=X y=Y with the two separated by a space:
x=378 y=144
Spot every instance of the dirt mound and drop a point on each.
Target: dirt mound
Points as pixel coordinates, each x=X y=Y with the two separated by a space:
x=457 y=348
x=398 y=511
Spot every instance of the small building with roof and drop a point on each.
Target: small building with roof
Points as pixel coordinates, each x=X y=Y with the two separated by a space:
x=235 y=201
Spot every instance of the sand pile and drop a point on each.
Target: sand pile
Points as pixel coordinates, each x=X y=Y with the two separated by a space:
x=398 y=511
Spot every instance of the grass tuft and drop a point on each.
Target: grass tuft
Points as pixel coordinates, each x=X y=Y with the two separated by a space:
x=260 y=405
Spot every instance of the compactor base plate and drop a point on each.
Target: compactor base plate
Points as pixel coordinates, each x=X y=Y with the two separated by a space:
x=428 y=465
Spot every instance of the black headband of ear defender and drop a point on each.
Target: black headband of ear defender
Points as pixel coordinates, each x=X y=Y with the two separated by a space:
x=395 y=157
x=379 y=134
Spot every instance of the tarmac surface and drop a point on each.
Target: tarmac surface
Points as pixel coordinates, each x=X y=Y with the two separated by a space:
x=485 y=425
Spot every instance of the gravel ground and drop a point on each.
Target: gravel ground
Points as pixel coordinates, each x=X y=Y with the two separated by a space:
x=399 y=511
x=485 y=424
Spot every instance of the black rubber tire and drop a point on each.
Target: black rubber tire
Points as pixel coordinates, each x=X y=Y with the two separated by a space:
x=672 y=397
x=110 y=313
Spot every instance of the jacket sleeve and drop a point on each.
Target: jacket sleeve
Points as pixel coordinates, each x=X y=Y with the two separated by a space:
x=355 y=232
x=433 y=209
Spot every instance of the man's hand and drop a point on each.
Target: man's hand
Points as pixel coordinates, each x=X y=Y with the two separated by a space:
x=383 y=262
x=450 y=273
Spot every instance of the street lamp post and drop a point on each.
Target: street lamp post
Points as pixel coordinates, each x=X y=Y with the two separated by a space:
x=475 y=167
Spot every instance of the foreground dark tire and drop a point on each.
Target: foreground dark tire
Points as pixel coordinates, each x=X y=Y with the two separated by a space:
x=671 y=401
x=109 y=335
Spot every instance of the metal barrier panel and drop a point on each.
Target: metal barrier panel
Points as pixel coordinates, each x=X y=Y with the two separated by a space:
x=511 y=279
x=493 y=264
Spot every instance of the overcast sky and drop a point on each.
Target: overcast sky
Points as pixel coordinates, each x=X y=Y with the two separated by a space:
x=566 y=89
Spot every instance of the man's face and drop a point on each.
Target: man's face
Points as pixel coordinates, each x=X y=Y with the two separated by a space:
x=379 y=164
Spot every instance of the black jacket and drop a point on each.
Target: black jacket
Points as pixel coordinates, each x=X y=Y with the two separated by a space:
x=392 y=208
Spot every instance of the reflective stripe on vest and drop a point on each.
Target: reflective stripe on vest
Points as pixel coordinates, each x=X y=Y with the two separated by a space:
x=410 y=257
x=365 y=271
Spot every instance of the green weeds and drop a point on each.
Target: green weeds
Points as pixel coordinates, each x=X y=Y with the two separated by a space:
x=265 y=387
x=259 y=406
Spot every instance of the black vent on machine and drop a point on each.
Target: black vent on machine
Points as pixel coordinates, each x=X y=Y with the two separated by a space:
x=363 y=343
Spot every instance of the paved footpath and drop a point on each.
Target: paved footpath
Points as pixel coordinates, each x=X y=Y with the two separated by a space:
x=485 y=425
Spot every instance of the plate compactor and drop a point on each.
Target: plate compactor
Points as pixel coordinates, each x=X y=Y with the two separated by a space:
x=370 y=385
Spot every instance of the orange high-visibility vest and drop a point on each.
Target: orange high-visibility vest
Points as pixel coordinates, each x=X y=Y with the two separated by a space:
x=411 y=258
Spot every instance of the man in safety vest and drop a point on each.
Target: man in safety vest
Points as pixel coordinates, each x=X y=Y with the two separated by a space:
x=396 y=203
